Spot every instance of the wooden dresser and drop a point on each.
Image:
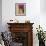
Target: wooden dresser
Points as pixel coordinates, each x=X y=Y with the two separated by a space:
x=22 y=33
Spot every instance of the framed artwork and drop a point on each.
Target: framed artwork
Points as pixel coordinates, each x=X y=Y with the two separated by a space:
x=20 y=9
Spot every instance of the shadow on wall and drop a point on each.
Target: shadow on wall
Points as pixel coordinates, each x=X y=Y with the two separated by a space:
x=43 y=6
x=0 y=15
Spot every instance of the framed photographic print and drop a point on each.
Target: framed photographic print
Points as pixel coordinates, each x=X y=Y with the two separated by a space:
x=20 y=9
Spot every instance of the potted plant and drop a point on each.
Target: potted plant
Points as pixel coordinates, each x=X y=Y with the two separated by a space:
x=41 y=36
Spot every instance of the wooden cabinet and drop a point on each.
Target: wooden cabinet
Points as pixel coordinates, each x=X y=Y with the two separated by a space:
x=22 y=33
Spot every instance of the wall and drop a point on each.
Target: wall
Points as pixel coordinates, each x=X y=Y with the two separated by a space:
x=43 y=14
x=0 y=15
x=33 y=13
x=43 y=6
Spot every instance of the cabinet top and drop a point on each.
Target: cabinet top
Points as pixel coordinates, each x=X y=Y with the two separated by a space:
x=19 y=23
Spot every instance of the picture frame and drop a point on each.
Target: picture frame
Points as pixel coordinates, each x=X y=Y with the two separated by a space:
x=20 y=9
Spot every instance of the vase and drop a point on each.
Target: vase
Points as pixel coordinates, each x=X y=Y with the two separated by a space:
x=41 y=43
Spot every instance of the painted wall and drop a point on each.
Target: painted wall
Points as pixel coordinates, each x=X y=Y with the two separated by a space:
x=0 y=15
x=33 y=13
x=43 y=14
x=43 y=6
